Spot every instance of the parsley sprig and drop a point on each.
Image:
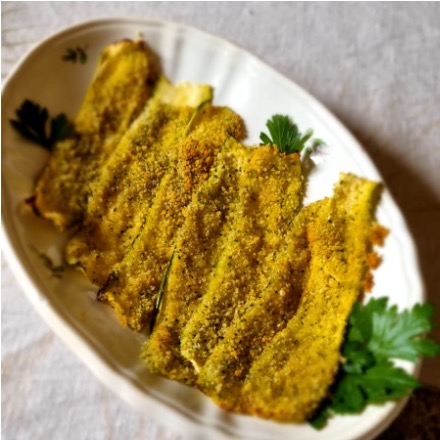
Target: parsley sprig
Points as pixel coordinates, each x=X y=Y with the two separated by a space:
x=375 y=336
x=285 y=135
x=32 y=122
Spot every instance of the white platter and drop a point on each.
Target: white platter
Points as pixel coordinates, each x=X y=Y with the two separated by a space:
x=90 y=329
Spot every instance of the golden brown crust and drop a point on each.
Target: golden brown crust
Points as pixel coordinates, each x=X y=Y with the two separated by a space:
x=134 y=291
x=257 y=289
x=269 y=195
x=198 y=247
x=122 y=83
x=259 y=321
x=125 y=191
x=303 y=358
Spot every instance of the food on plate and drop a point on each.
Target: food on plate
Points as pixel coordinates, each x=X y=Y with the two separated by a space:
x=304 y=356
x=199 y=244
x=259 y=319
x=133 y=286
x=125 y=189
x=123 y=81
x=270 y=192
x=233 y=227
x=205 y=245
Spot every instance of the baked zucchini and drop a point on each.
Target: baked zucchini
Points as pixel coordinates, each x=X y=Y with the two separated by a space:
x=124 y=193
x=270 y=193
x=303 y=358
x=134 y=283
x=199 y=245
x=123 y=82
x=261 y=318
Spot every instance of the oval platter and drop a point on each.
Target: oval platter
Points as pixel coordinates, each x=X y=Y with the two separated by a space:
x=256 y=92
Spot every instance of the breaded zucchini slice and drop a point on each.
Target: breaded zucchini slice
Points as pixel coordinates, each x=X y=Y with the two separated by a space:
x=123 y=195
x=199 y=245
x=134 y=284
x=123 y=82
x=270 y=193
x=295 y=370
x=222 y=377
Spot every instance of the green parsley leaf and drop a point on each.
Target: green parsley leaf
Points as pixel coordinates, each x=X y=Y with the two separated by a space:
x=319 y=420
x=358 y=358
x=397 y=336
x=31 y=120
x=60 y=128
x=347 y=395
x=376 y=335
x=384 y=382
x=31 y=123
x=285 y=135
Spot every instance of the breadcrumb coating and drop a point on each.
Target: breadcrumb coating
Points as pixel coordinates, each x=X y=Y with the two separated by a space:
x=303 y=358
x=123 y=82
x=134 y=283
x=123 y=195
x=206 y=242
x=269 y=195
x=199 y=245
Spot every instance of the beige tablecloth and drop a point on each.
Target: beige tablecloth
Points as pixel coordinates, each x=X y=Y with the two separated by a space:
x=376 y=66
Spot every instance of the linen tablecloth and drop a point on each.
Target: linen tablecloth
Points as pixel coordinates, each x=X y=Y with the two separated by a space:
x=375 y=65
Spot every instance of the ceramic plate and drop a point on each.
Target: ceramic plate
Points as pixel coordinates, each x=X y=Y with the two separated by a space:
x=89 y=328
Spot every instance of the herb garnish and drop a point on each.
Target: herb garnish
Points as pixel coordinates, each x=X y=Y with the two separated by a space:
x=31 y=124
x=375 y=336
x=285 y=135
x=74 y=55
x=198 y=111
x=57 y=271
x=158 y=303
